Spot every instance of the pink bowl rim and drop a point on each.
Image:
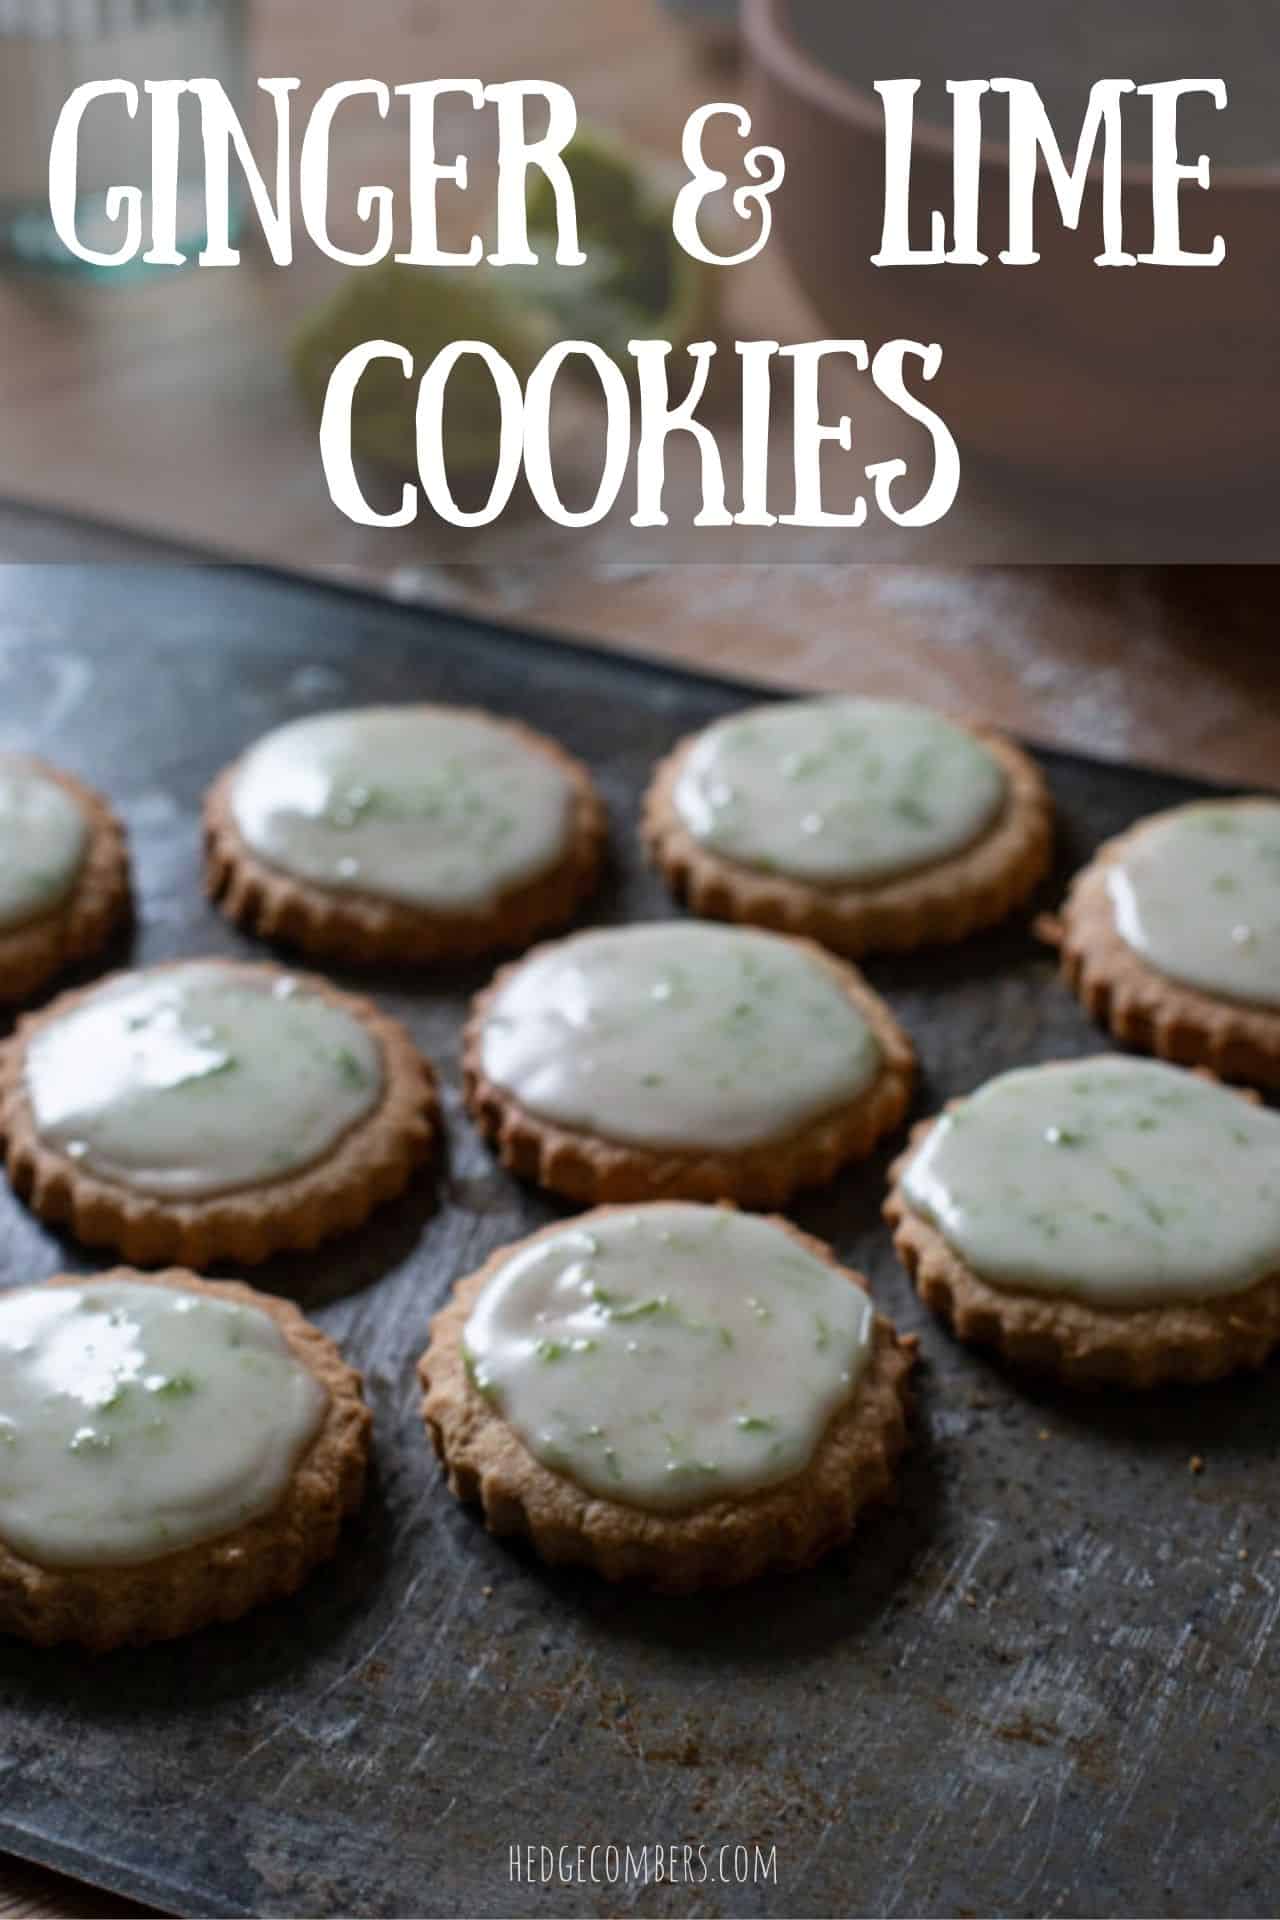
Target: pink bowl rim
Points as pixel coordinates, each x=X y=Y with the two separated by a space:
x=777 y=49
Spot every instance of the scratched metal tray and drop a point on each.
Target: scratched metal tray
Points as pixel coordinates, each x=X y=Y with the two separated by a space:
x=1042 y=1684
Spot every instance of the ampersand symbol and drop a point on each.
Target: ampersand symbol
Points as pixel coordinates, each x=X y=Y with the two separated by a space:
x=764 y=164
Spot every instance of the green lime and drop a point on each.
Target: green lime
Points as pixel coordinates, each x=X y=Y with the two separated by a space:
x=637 y=283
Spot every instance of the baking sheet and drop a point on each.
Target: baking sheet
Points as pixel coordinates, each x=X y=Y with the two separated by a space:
x=1042 y=1683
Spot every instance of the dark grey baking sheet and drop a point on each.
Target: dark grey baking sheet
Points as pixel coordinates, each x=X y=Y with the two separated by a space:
x=1042 y=1684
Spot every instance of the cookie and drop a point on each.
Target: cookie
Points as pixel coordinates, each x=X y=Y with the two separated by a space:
x=64 y=874
x=679 y=1394
x=173 y=1452
x=208 y=1110
x=403 y=835
x=1111 y=1220
x=1171 y=937
x=683 y=1061
x=869 y=825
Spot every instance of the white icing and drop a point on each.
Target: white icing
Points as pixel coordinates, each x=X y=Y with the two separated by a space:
x=43 y=839
x=669 y=1356
x=838 y=791
x=137 y=1420
x=1197 y=894
x=428 y=806
x=1116 y=1181
x=195 y=1080
x=678 y=1034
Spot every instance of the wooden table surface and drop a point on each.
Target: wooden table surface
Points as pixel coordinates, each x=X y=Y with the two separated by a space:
x=167 y=409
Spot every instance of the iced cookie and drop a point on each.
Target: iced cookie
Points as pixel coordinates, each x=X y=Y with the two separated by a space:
x=403 y=835
x=683 y=1061
x=866 y=824
x=1110 y=1220
x=1171 y=937
x=173 y=1451
x=208 y=1110
x=64 y=874
x=683 y=1394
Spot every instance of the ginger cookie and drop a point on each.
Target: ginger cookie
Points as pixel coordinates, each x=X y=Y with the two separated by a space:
x=403 y=835
x=869 y=825
x=64 y=874
x=1171 y=937
x=173 y=1452
x=683 y=1061
x=209 y=1110
x=1110 y=1220
x=681 y=1394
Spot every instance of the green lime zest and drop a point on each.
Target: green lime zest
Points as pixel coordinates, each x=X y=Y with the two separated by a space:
x=637 y=281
